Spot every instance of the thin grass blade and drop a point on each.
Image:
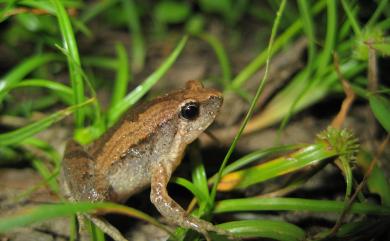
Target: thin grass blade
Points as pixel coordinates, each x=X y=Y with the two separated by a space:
x=141 y=90
x=296 y=204
x=275 y=230
x=16 y=136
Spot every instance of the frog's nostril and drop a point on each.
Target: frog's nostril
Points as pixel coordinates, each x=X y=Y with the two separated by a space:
x=217 y=98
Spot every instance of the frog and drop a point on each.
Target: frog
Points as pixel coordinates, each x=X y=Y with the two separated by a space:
x=142 y=150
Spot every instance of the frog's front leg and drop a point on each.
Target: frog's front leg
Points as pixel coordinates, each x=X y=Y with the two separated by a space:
x=160 y=175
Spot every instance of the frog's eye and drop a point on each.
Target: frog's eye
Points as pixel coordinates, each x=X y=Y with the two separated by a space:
x=190 y=110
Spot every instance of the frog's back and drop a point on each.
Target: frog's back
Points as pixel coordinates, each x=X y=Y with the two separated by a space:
x=133 y=131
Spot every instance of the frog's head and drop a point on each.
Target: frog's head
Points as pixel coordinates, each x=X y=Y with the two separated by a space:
x=197 y=109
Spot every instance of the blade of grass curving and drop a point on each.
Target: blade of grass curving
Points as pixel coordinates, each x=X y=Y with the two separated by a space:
x=377 y=181
x=62 y=91
x=138 y=45
x=296 y=204
x=331 y=142
x=49 y=84
x=23 y=69
x=46 y=174
x=98 y=127
x=47 y=6
x=351 y=18
x=5 y=9
x=275 y=230
x=331 y=32
x=254 y=156
x=253 y=103
x=95 y=9
x=199 y=194
x=48 y=150
x=122 y=75
x=199 y=177
x=100 y=62
x=307 y=21
x=345 y=167
x=80 y=26
x=309 y=155
x=223 y=60
x=95 y=233
x=30 y=215
x=374 y=18
x=16 y=136
x=73 y=228
x=70 y=46
x=116 y=111
x=380 y=106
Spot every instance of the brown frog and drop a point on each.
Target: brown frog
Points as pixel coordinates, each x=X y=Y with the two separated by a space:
x=142 y=151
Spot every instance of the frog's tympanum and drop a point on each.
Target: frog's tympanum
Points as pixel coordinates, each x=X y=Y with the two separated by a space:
x=141 y=151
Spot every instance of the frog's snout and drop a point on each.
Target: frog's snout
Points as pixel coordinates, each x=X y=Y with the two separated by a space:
x=217 y=98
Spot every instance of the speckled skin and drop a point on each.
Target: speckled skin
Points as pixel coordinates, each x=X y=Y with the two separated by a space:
x=142 y=151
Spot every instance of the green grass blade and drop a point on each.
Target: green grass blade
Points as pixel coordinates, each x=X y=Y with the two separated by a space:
x=255 y=156
x=275 y=230
x=138 y=45
x=351 y=18
x=347 y=172
x=122 y=76
x=331 y=31
x=95 y=9
x=221 y=56
x=296 y=204
x=22 y=70
x=49 y=84
x=251 y=110
x=307 y=156
x=16 y=136
x=45 y=173
x=200 y=195
x=377 y=181
x=307 y=21
x=380 y=106
x=199 y=177
x=374 y=18
x=100 y=62
x=251 y=68
x=62 y=91
x=30 y=215
x=6 y=8
x=70 y=46
x=322 y=62
x=330 y=143
x=141 y=90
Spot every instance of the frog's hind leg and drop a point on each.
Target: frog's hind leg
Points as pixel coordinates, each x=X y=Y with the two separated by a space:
x=78 y=175
x=106 y=227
